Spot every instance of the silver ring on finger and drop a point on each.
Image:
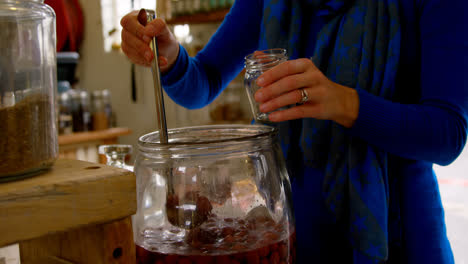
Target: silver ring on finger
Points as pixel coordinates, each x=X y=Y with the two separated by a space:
x=305 y=96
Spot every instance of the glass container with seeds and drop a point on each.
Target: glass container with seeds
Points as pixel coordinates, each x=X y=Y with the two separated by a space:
x=28 y=127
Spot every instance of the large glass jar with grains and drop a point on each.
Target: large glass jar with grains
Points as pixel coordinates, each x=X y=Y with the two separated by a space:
x=28 y=83
x=213 y=194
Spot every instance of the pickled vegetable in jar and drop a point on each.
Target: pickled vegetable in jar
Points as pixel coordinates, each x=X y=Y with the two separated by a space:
x=237 y=175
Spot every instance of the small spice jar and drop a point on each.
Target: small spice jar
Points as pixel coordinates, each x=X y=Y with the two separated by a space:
x=81 y=110
x=255 y=65
x=106 y=100
x=65 y=114
x=98 y=114
x=205 y=5
x=28 y=78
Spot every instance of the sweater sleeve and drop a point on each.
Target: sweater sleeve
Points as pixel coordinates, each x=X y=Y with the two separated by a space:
x=435 y=128
x=195 y=82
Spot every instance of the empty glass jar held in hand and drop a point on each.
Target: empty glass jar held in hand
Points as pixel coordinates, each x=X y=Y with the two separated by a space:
x=230 y=180
x=28 y=83
x=255 y=65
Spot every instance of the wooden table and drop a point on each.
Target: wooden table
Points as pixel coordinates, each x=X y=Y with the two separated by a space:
x=78 y=212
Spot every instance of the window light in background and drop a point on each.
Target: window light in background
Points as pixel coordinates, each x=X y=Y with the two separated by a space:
x=111 y=12
x=182 y=33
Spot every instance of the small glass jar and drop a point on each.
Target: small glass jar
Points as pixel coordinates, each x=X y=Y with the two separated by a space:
x=183 y=4
x=237 y=176
x=222 y=4
x=77 y=116
x=189 y=7
x=81 y=111
x=106 y=100
x=85 y=109
x=196 y=6
x=98 y=113
x=255 y=65
x=116 y=154
x=205 y=5
x=181 y=7
x=28 y=86
x=65 y=114
x=213 y=5
x=176 y=8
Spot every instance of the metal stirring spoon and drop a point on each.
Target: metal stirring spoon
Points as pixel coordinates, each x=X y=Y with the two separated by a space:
x=177 y=214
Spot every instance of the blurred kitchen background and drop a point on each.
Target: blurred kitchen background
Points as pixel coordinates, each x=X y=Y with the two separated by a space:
x=105 y=99
x=99 y=88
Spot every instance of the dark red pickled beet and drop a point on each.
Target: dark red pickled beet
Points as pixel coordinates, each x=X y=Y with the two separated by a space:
x=169 y=259
x=253 y=257
x=185 y=261
x=282 y=252
x=227 y=231
x=178 y=216
x=203 y=260
x=222 y=259
x=143 y=256
x=263 y=252
x=274 y=258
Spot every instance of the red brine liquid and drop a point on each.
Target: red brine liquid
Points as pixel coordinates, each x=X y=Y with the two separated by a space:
x=226 y=241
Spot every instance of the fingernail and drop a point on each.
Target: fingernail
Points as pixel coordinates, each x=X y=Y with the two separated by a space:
x=148 y=56
x=260 y=81
x=262 y=108
x=259 y=96
x=146 y=38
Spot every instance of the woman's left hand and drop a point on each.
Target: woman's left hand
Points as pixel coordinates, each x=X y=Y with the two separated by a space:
x=282 y=85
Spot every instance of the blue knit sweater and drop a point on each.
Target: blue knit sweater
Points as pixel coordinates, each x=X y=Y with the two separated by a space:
x=426 y=122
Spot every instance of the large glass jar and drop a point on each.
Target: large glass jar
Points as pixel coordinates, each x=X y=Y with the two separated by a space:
x=230 y=180
x=255 y=65
x=28 y=83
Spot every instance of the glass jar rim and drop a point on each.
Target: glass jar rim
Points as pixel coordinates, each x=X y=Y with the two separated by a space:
x=265 y=58
x=25 y=10
x=266 y=52
x=244 y=133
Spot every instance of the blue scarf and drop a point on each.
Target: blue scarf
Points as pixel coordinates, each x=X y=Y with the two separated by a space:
x=358 y=46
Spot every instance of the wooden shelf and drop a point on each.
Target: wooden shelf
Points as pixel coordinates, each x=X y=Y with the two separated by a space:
x=101 y=135
x=200 y=18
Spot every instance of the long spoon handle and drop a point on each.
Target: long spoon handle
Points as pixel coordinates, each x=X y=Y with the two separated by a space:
x=145 y=16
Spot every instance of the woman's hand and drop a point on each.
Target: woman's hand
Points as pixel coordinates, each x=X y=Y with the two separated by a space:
x=136 y=39
x=281 y=86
